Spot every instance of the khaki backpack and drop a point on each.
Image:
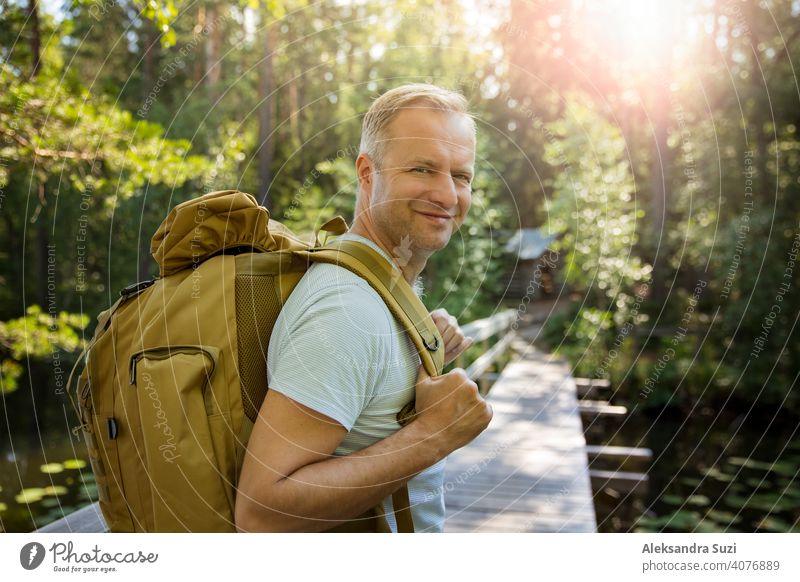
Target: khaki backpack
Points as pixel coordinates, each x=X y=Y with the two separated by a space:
x=176 y=372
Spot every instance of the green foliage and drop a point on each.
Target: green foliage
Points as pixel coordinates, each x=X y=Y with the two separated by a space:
x=36 y=335
x=582 y=339
x=161 y=13
x=593 y=209
x=48 y=130
x=593 y=206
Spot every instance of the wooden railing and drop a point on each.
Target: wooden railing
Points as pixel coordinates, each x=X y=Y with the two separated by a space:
x=482 y=331
x=89 y=519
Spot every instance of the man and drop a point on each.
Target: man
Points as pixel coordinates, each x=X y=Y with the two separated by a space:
x=326 y=446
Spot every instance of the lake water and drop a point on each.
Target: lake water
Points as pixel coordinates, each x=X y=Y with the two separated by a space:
x=709 y=473
x=44 y=468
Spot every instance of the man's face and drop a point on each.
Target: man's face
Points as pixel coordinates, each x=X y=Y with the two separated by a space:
x=422 y=191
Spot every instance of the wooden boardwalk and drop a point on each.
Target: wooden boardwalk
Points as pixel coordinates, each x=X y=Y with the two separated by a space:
x=528 y=472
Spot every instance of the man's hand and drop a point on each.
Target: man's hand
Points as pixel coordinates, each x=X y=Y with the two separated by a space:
x=450 y=408
x=454 y=341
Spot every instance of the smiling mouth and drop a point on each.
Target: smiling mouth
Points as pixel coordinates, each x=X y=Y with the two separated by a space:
x=439 y=217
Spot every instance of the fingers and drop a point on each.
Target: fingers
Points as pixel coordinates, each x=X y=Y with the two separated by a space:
x=459 y=349
x=422 y=375
x=464 y=345
x=455 y=343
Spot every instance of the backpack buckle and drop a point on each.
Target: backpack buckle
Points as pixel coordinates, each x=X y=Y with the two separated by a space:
x=136 y=288
x=431 y=348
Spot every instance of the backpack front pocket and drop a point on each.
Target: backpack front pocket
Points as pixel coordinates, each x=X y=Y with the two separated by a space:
x=176 y=403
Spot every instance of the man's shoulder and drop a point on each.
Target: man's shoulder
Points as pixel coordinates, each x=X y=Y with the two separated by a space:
x=333 y=290
x=326 y=280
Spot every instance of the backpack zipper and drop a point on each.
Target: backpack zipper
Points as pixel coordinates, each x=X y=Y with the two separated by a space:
x=164 y=353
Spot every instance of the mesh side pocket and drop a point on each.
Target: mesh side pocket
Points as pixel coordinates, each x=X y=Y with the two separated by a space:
x=257 y=308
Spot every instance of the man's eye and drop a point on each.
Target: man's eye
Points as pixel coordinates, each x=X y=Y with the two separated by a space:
x=422 y=170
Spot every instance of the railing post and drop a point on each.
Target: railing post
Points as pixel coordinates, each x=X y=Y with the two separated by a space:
x=483 y=383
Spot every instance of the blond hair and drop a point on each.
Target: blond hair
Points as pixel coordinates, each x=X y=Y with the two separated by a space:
x=386 y=107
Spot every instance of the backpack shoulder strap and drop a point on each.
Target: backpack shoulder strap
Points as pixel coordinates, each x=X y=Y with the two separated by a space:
x=395 y=291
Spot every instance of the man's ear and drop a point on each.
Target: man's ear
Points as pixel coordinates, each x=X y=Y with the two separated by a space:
x=365 y=168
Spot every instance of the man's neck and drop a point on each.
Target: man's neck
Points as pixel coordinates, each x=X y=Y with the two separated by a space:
x=411 y=265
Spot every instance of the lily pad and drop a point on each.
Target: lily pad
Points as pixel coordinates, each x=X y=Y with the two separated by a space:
x=772 y=502
x=89 y=491
x=682 y=520
x=3 y=506
x=56 y=490
x=707 y=526
x=715 y=473
x=750 y=463
x=31 y=495
x=723 y=517
x=777 y=525
x=786 y=468
x=51 y=468
x=792 y=490
x=698 y=500
x=736 y=501
x=74 y=464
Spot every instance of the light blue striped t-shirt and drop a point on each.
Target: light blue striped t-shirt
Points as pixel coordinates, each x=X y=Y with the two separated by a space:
x=337 y=349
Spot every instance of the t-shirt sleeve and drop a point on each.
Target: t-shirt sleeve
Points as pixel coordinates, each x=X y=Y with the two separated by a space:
x=323 y=351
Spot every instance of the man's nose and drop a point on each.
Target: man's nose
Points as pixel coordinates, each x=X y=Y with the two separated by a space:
x=445 y=192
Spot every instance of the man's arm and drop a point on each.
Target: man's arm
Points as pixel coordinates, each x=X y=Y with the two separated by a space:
x=290 y=481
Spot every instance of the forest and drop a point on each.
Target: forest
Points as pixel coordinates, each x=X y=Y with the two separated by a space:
x=657 y=142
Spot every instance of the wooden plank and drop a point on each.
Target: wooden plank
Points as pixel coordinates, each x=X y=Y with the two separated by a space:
x=591 y=382
x=601 y=408
x=88 y=519
x=591 y=387
x=528 y=471
x=519 y=522
x=624 y=453
x=622 y=481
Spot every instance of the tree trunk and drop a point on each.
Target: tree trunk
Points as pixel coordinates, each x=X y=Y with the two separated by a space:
x=199 y=63
x=213 y=53
x=660 y=163
x=148 y=68
x=36 y=41
x=266 y=97
x=661 y=160
x=758 y=113
x=42 y=245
